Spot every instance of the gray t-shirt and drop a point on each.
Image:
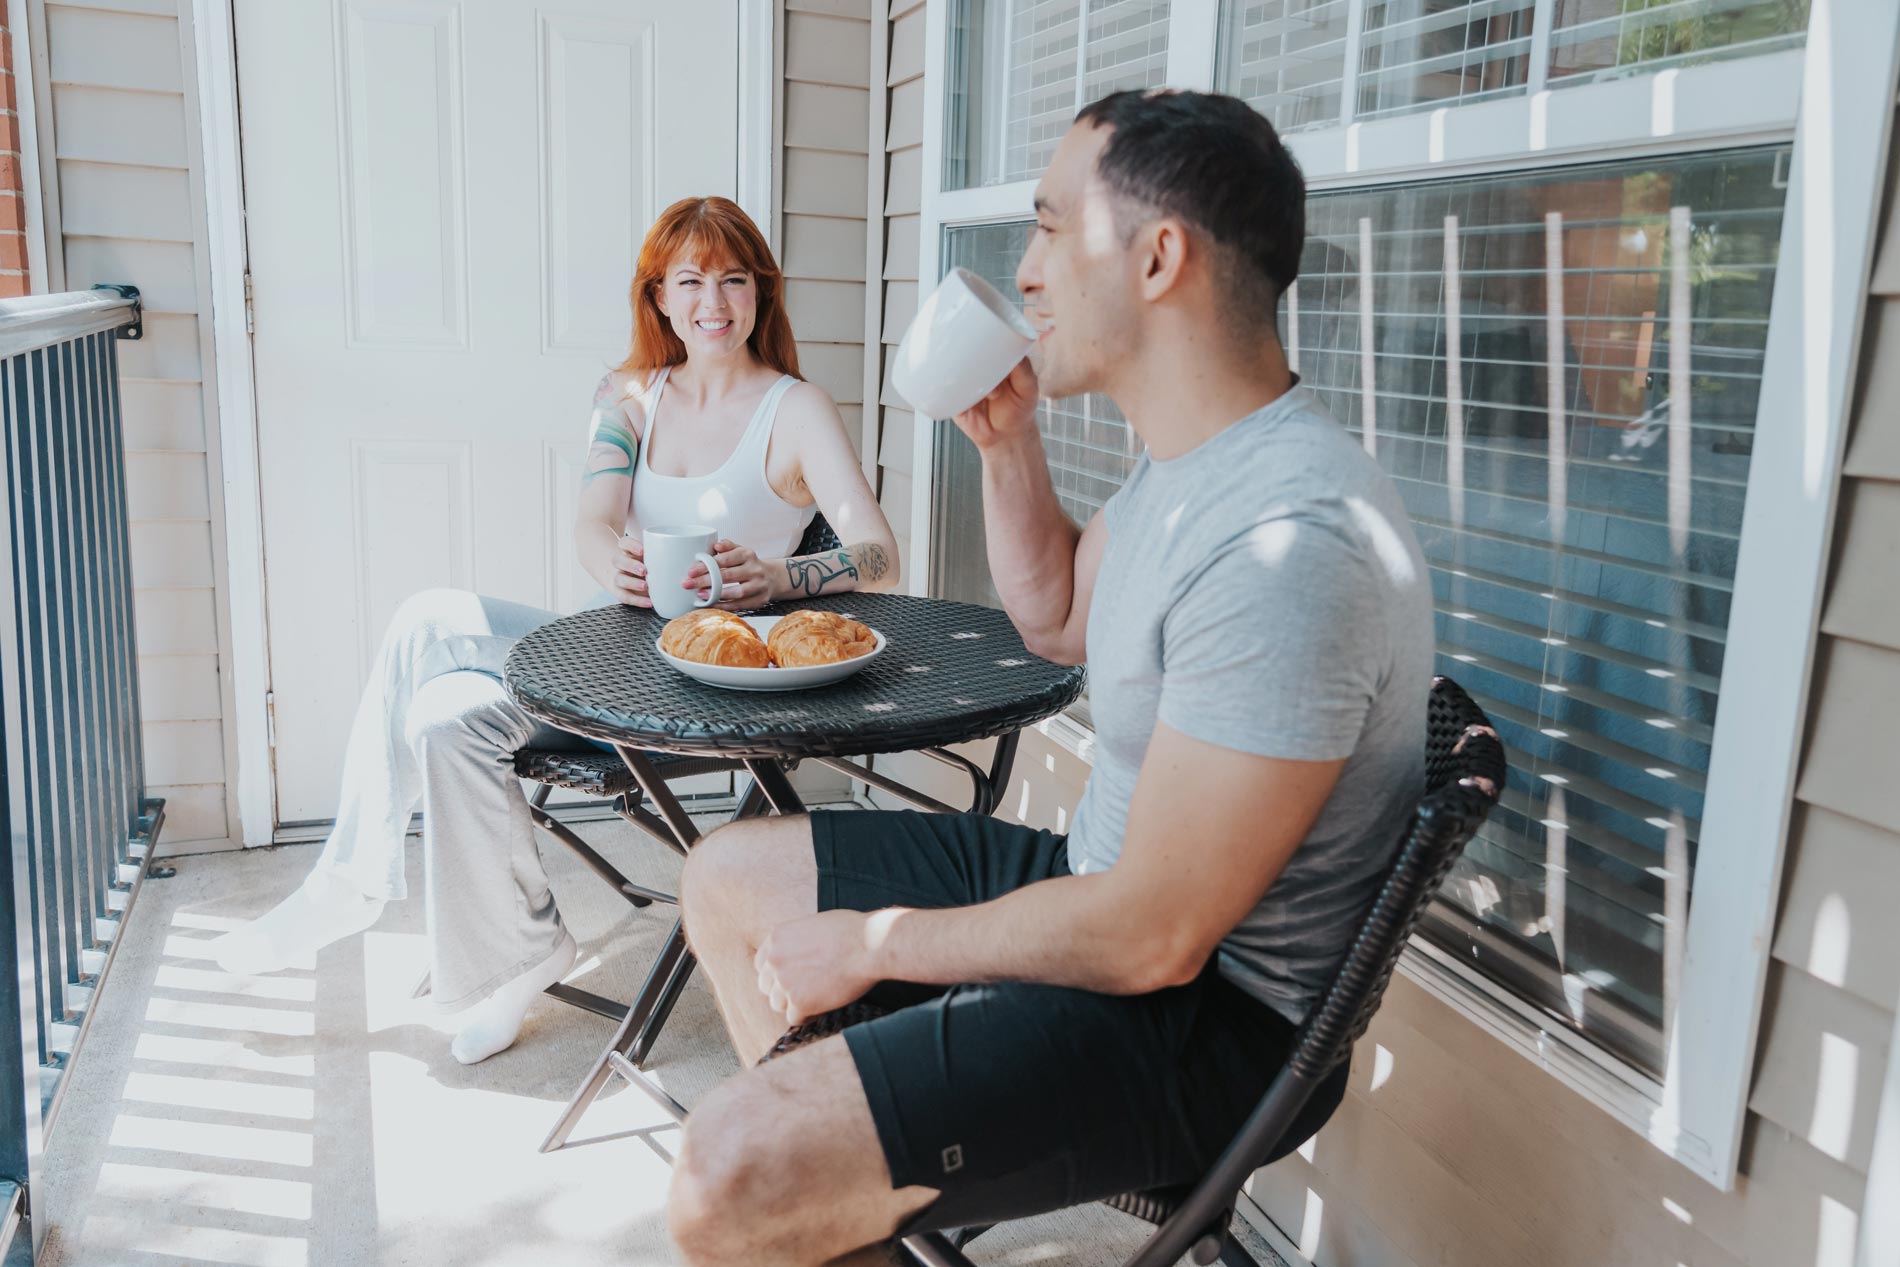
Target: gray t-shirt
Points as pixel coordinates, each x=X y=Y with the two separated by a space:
x=1264 y=592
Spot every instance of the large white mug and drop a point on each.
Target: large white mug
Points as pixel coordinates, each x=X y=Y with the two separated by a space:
x=670 y=554
x=964 y=341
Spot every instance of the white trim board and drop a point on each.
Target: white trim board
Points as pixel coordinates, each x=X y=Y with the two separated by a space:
x=233 y=414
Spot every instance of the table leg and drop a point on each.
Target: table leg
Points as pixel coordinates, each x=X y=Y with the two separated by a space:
x=769 y=776
x=667 y=979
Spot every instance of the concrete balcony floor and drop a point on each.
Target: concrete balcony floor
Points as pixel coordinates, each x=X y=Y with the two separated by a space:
x=315 y=1116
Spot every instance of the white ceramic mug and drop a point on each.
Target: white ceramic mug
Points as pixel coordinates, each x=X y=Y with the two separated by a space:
x=964 y=341
x=670 y=555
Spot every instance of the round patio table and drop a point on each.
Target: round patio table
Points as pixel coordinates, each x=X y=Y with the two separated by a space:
x=950 y=673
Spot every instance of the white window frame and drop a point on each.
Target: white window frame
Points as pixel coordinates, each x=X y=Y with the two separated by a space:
x=1834 y=99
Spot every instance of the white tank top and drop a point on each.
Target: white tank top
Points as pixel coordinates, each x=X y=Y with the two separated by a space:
x=736 y=500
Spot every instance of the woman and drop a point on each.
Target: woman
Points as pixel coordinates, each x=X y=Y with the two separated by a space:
x=707 y=421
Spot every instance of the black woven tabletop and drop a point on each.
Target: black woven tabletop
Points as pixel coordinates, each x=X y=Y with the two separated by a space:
x=949 y=673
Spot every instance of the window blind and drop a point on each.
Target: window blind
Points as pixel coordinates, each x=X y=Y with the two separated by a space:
x=1418 y=54
x=1287 y=58
x=1022 y=68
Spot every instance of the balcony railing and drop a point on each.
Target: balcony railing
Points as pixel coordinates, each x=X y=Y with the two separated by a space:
x=76 y=828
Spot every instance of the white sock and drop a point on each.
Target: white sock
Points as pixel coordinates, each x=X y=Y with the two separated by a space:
x=324 y=908
x=493 y=1024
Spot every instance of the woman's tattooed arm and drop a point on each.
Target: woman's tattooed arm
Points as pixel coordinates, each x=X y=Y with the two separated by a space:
x=837 y=571
x=611 y=445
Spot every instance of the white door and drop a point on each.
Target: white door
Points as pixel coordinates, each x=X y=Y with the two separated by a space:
x=444 y=203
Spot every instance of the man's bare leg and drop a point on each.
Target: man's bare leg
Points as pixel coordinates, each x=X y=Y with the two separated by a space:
x=782 y=1165
x=741 y=882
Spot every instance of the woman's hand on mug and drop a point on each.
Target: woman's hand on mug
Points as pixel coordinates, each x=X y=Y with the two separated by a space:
x=630 y=572
x=1007 y=413
x=748 y=580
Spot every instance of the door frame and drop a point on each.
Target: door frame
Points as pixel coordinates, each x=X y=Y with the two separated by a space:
x=231 y=405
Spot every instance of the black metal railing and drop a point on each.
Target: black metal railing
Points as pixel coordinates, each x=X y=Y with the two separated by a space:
x=76 y=828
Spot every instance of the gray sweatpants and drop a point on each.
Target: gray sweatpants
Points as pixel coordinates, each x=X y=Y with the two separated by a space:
x=435 y=726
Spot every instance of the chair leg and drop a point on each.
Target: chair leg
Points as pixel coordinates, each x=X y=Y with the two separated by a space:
x=631 y=1031
x=933 y=1249
x=1234 y=1254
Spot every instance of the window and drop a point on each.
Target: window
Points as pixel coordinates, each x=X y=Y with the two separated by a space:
x=1596 y=39
x=1026 y=67
x=1543 y=245
x=1576 y=477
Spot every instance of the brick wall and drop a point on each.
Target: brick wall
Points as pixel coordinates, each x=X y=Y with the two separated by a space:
x=13 y=278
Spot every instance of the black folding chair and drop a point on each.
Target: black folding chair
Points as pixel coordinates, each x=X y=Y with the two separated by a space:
x=1464 y=773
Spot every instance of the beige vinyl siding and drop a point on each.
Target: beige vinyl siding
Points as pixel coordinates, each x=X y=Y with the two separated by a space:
x=826 y=127
x=124 y=122
x=1451 y=1147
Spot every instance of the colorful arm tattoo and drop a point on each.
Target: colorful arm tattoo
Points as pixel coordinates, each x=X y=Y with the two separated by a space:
x=611 y=444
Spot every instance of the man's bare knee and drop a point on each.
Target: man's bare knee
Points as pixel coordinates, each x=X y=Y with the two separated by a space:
x=750 y=875
x=720 y=1177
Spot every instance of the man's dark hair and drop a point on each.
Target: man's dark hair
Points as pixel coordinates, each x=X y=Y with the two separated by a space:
x=1215 y=162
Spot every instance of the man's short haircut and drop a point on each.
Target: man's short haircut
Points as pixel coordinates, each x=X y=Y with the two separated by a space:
x=1216 y=163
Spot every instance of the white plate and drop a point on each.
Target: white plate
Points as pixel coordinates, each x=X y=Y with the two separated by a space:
x=774 y=679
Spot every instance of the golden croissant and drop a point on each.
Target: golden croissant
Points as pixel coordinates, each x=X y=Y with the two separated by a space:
x=815 y=637
x=706 y=636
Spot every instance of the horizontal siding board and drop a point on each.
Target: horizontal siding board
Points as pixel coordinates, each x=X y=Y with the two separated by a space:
x=1822 y=1064
x=824 y=248
x=179 y=688
x=184 y=752
x=174 y=622
x=165 y=486
x=113 y=50
x=163 y=416
x=119 y=127
x=823 y=184
x=827 y=50
x=117 y=201
x=904 y=182
x=900 y=7
x=1863 y=600
x=899 y=438
x=1836 y=917
x=826 y=312
x=836 y=367
x=904 y=125
x=169 y=349
x=836 y=8
x=820 y=117
x=900 y=309
x=161 y=270
x=1873 y=447
x=889 y=396
x=192 y=812
x=1849 y=765
x=907 y=48
x=161 y=8
x=172 y=555
x=1886 y=277
x=901 y=243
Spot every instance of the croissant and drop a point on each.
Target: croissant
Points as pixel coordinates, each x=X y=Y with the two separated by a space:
x=815 y=637
x=714 y=637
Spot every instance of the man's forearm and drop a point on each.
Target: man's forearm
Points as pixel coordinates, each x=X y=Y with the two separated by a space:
x=1069 y=931
x=1031 y=540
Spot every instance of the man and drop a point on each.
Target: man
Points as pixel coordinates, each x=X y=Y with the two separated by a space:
x=1092 y=1016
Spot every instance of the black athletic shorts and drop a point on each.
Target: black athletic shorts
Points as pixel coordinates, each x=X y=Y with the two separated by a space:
x=1017 y=1098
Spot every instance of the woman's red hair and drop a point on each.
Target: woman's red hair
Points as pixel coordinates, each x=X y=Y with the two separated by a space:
x=719 y=236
